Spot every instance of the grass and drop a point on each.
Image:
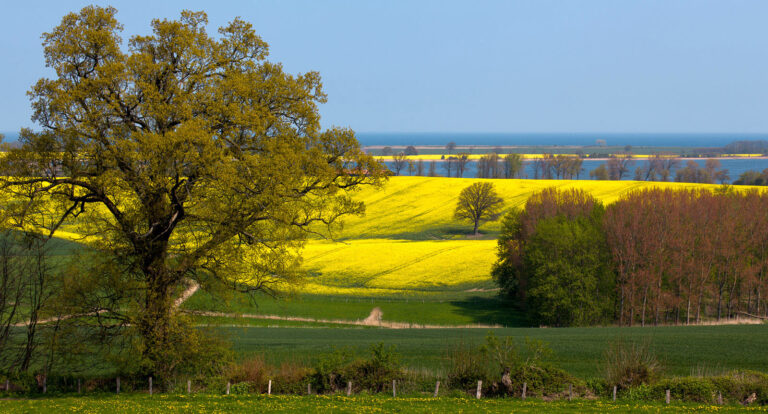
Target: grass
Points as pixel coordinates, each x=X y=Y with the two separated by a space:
x=460 y=309
x=129 y=403
x=681 y=350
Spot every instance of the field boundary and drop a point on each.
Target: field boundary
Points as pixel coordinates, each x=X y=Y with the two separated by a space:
x=371 y=321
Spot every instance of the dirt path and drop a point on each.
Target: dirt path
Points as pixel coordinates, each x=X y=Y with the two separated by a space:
x=192 y=287
x=373 y=319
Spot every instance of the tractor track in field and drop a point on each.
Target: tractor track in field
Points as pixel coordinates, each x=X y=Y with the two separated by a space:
x=374 y=319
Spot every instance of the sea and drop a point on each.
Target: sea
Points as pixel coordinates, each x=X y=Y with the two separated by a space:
x=538 y=138
x=735 y=167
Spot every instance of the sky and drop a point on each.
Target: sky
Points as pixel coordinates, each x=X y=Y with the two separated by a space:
x=641 y=66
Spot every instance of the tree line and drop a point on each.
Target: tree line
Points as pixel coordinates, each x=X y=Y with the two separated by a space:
x=657 y=167
x=655 y=256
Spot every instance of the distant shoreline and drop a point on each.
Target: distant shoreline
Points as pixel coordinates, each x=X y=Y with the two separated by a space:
x=762 y=157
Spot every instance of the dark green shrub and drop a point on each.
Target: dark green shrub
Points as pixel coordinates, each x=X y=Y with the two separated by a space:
x=735 y=387
x=240 y=388
x=252 y=373
x=376 y=373
x=628 y=365
x=330 y=372
x=466 y=365
x=688 y=389
x=290 y=378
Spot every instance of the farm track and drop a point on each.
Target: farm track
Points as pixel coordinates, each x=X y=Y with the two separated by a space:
x=373 y=320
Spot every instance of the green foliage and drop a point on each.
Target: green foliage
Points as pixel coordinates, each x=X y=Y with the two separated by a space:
x=330 y=373
x=466 y=365
x=375 y=374
x=553 y=258
x=178 y=156
x=478 y=203
x=734 y=387
x=503 y=369
x=251 y=374
x=570 y=282
x=628 y=365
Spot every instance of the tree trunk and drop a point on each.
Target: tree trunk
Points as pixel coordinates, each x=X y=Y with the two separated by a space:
x=477 y=224
x=154 y=323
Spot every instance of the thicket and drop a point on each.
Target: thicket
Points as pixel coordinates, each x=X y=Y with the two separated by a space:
x=654 y=256
x=503 y=366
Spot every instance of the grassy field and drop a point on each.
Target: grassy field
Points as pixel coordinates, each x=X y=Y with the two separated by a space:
x=337 y=404
x=484 y=308
x=682 y=350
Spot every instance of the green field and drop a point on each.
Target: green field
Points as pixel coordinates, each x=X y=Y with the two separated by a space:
x=411 y=260
x=682 y=350
x=336 y=404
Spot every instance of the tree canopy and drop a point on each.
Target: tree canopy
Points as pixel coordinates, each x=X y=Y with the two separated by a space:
x=182 y=156
x=477 y=203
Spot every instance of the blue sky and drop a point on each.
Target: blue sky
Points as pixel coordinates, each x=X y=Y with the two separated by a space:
x=476 y=66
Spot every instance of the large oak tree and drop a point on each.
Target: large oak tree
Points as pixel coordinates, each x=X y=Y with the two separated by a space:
x=180 y=156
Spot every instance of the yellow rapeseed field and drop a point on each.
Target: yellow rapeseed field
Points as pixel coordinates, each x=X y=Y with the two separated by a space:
x=408 y=241
x=400 y=264
x=407 y=205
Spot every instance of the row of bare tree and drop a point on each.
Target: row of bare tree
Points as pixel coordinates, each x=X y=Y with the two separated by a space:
x=684 y=255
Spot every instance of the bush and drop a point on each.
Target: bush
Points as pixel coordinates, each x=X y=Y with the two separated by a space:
x=252 y=372
x=376 y=373
x=630 y=365
x=329 y=374
x=503 y=370
x=291 y=378
x=466 y=365
x=240 y=388
x=735 y=387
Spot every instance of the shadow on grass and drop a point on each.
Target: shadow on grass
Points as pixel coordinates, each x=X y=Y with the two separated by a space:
x=491 y=311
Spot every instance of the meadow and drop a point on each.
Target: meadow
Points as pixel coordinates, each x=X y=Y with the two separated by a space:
x=682 y=350
x=337 y=404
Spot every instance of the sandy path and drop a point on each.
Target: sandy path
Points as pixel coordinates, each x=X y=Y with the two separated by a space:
x=373 y=319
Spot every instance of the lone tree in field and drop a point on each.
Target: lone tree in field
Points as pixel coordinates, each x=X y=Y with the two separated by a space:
x=478 y=203
x=450 y=147
x=183 y=157
x=399 y=161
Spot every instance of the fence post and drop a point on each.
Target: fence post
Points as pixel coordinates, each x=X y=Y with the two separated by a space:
x=78 y=386
x=525 y=388
x=45 y=384
x=667 y=397
x=437 y=388
x=228 y=385
x=394 y=389
x=150 y=385
x=349 y=388
x=7 y=385
x=269 y=388
x=309 y=389
x=719 y=398
x=118 y=385
x=570 y=392
x=479 y=389
x=614 y=393
x=189 y=386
